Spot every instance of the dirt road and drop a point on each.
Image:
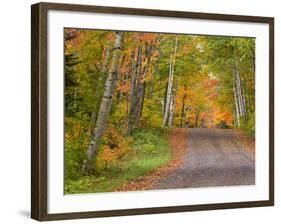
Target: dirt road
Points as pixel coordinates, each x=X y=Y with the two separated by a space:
x=214 y=157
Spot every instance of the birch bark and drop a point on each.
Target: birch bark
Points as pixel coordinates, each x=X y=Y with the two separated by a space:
x=236 y=102
x=173 y=105
x=183 y=111
x=170 y=84
x=168 y=97
x=241 y=97
x=106 y=100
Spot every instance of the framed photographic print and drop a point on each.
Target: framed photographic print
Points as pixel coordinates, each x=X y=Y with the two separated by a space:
x=138 y=111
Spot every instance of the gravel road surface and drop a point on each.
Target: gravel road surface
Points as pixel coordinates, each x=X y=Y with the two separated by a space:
x=214 y=157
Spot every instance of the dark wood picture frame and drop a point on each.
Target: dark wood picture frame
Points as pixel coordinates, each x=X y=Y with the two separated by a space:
x=39 y=149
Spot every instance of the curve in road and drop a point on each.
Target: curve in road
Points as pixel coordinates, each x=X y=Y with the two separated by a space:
x=214 y=157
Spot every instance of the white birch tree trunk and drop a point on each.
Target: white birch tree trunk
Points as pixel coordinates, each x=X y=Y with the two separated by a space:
x=238 y=92
x=173 y=106
x=236 y=103
x=241 y=98
x=106 y=99
x=244 y=101
x=170 y=84
x=171 y=112
x=168 y=97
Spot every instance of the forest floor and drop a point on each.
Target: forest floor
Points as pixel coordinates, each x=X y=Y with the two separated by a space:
x=203 y=158
x=178 y=141
x=149 y=149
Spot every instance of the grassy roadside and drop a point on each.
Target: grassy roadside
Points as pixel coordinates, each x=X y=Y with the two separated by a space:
x=148 y=150
x=177 y=138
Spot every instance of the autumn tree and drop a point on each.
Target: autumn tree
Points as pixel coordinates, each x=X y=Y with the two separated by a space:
x=106 y=100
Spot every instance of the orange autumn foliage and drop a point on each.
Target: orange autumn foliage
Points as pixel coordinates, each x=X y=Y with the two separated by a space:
x=114 y=147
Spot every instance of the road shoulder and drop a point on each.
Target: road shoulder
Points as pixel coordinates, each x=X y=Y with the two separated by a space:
x=178 y=141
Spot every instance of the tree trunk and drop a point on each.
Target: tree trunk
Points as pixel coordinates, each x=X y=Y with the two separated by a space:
x=132 y=94
x=183 y=111
x=236 y=102
x=141 y=96
x=171 y=112
x=173 y=105
x=170 y=84
x=241 y=98
x=92 y=123
x=105 y=103
x=104 y=68
x=121 y=80
x=127 y=95
x=244 y=101
x=247 y=93
x=142 y=89
x=238 y=92
x=168 y=96
x=154 y=73
x=253 y=59
x=164 y=101
x=139 y=87
x=196 y=117
x=135 y=80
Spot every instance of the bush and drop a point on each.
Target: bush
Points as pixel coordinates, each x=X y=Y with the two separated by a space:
x=114 y=148
x=151 y=115
x=74 y=156
x=145 y=141
x=249 y=125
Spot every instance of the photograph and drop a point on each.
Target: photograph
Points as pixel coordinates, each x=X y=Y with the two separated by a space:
x=156 y=111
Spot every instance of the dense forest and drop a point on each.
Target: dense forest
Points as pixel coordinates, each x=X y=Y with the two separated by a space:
x=124 y=91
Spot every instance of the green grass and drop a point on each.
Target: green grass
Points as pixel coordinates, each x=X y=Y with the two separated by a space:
x=152 y=151
x=249 y=125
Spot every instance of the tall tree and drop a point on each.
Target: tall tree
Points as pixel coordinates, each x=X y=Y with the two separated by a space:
x=135 y=81
x=170 y=84
x=173 y=105
x=105 y=103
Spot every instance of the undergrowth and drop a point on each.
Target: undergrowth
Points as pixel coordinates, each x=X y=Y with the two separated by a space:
x=117 y=164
